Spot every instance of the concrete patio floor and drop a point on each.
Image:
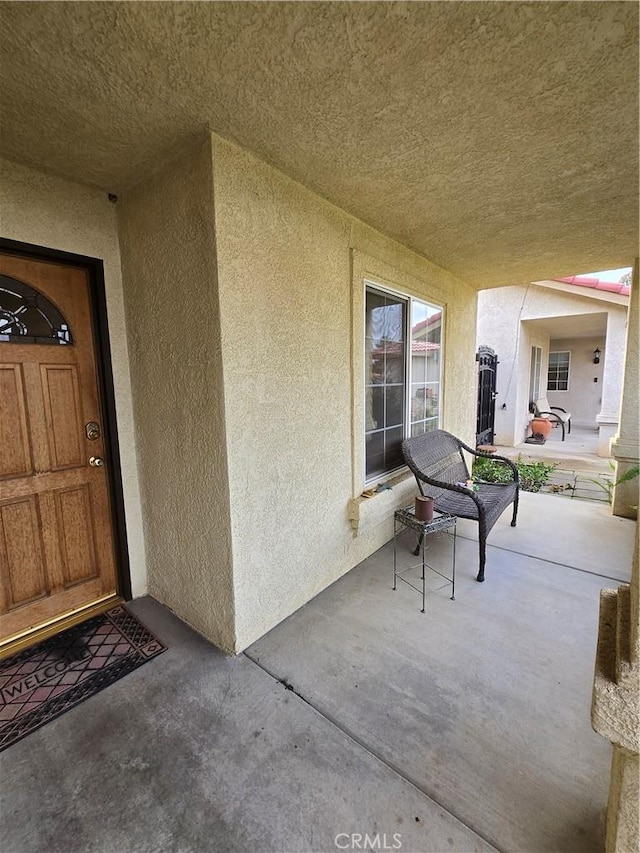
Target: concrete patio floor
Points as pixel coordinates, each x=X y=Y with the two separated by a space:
x=579 y=450
x=464 y=728
x=580 y=474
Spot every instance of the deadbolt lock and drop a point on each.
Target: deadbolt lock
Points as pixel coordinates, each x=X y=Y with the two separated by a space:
x=92 y=430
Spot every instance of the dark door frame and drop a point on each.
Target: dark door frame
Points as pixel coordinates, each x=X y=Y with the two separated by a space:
x=100 y=329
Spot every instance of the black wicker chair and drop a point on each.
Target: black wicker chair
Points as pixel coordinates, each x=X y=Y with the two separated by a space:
x=439 y=466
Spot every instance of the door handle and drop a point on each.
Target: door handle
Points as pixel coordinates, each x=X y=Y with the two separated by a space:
x=96 y=462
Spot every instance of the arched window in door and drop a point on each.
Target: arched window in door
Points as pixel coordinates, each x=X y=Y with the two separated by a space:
x=28 y=317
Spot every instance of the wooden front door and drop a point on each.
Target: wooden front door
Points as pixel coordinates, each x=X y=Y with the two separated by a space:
x=56 y=536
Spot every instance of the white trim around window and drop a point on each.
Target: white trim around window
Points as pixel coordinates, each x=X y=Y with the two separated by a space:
x=402 y=382
x=559 y=370
x=535 y=371
x=396 y=281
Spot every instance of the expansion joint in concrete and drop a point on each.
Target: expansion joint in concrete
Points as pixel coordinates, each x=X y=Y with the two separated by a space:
x=284 y=682
x=544 y=560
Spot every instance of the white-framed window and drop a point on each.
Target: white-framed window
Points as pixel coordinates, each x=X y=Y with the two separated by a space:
x=534 y=377
x=558 y=375
x=403 y=374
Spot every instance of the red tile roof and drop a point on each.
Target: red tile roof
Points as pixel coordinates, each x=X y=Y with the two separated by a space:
x=430 y=321
x=596 y=284
x=393 y=348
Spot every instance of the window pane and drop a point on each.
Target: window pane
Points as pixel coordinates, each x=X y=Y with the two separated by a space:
x=375 y=453
x=418 y=367
x=393 y=448
x=426 y=324
x=391 y=360
x=558 y=376
x=394 y=364
x=393 y=325
x=394 y=409
x=377 y=406
x=376 y=366
x=385 y=359
x=418 y=406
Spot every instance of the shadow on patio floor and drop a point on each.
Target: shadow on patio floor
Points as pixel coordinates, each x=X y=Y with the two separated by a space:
x=464 y=728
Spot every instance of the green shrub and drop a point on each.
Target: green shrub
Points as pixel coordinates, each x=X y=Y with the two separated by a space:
x=533 y=475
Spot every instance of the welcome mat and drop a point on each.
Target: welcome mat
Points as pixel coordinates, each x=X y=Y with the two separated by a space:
x=41 y=683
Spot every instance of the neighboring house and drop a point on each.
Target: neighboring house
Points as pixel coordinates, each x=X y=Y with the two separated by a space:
x=561 y=339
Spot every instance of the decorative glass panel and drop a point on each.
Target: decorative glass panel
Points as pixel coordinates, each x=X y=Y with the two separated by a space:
x=28 y=317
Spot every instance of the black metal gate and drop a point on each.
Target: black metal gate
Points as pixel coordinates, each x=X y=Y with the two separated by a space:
x=487 y=370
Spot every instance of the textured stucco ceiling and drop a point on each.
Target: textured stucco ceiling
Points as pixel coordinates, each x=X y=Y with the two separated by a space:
x=498 y=139
x=572 y=326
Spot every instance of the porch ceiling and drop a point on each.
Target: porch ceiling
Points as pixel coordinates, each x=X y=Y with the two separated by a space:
x=498 y=139
x=572 y=326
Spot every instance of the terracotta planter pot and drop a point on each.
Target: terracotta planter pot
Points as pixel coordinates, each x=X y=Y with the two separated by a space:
x=541 y=426
x=424 y=508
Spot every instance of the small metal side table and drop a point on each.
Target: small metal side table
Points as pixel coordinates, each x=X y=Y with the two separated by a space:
x=441 y=522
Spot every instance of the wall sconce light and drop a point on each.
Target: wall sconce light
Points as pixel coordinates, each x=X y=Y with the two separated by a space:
x=596 y=356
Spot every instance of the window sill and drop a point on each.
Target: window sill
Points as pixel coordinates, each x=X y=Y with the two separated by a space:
x=368 y=512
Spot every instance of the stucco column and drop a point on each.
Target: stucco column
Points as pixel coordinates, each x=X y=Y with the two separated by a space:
x=622 y=814
x=608 y=418
x=625 y=447
x=615 y=713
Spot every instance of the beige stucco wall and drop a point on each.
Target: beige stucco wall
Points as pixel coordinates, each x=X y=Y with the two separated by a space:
x=47 y=211
x=291 y=318
x=625 y=447
x=583 y=398
x=498 y=327
x=169 y=266
x=530 y=337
